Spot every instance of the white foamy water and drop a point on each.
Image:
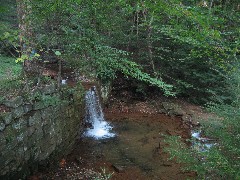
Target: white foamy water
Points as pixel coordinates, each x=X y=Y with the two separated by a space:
x=100 y=127
x=201 y=143
x=64 y=81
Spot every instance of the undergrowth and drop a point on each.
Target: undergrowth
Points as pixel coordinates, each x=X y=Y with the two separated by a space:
x=10 y=76
x=222 y=161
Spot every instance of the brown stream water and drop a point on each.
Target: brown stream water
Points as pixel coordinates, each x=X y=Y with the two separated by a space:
x=136 y=152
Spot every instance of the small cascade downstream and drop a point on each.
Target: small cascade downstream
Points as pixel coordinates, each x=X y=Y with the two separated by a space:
x=98 y=128
x=200 y=143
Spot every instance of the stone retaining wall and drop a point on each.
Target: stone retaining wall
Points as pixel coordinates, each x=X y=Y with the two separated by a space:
x=42 y=124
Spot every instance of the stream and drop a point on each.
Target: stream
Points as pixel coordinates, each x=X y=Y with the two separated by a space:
x=125 y=145
x=129 y=145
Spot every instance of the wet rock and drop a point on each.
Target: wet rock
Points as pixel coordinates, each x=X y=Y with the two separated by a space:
x=195 y=123
x=88 y=125
x=167 y=164
x=117 y=168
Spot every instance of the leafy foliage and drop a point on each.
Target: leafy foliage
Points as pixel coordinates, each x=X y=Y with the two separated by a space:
x=189 y=48
x=8 y=30
x=110 y=60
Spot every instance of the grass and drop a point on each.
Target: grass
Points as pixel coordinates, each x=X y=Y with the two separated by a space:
x=9 y=69
x=10 y=73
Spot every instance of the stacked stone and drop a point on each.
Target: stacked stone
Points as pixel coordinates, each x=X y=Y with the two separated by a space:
x=32 y=131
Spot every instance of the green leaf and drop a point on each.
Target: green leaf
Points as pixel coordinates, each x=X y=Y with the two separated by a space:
x=58 y=53
x=36 y=55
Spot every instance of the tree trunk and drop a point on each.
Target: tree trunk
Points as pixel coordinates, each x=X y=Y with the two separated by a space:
x=150 y=53
x=59 y=78
x=149 y=41
x=25 y=34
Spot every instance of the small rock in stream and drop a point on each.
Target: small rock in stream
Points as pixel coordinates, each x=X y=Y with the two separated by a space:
x=117 y=168
x=79 y=160
x=167 y=164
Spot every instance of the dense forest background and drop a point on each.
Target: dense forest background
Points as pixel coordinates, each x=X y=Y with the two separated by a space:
x=187 y=49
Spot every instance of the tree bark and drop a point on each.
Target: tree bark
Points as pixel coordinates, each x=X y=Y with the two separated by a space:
x=25 y=34
x=150 y=53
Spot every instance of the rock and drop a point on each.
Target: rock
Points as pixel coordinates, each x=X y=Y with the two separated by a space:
x=19 y=124
x=27 y=108
x=2 y=126
x=186 y=118
x=31 y=130
x=117 y=168
x=49 y=89
x=27 y=155
x=195 y=123
x=18 y=112
x=173 y=109
x=38 y=105
x=14 y=102
x=7 y=118
x=167 y=164
x=79 y=160
x=2 y=139
x=36 y=118
x=170 y=132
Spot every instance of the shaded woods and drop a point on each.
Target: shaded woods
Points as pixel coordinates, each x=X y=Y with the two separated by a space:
x=185 y=49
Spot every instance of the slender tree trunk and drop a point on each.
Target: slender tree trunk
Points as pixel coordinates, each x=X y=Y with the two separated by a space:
x=150 y=53
x=59 y=74
x=25 y=34
x=149 y=40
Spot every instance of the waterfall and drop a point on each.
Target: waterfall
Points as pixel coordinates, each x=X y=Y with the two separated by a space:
x=94 y=116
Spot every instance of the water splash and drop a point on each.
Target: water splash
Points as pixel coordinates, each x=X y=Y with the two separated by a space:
x=200 y=143
x=100 y=129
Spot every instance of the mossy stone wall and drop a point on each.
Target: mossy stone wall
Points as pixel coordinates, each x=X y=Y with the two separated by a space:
x=38 y=126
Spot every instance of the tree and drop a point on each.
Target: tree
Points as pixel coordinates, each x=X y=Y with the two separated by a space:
x=184 y=43
x=25 y=33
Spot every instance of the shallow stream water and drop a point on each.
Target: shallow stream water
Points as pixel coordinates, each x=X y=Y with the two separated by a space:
x=129 y=145
x=136 y=151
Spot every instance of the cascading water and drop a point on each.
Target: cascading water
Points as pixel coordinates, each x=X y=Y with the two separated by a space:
x=200 y=143
x=99 y=129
